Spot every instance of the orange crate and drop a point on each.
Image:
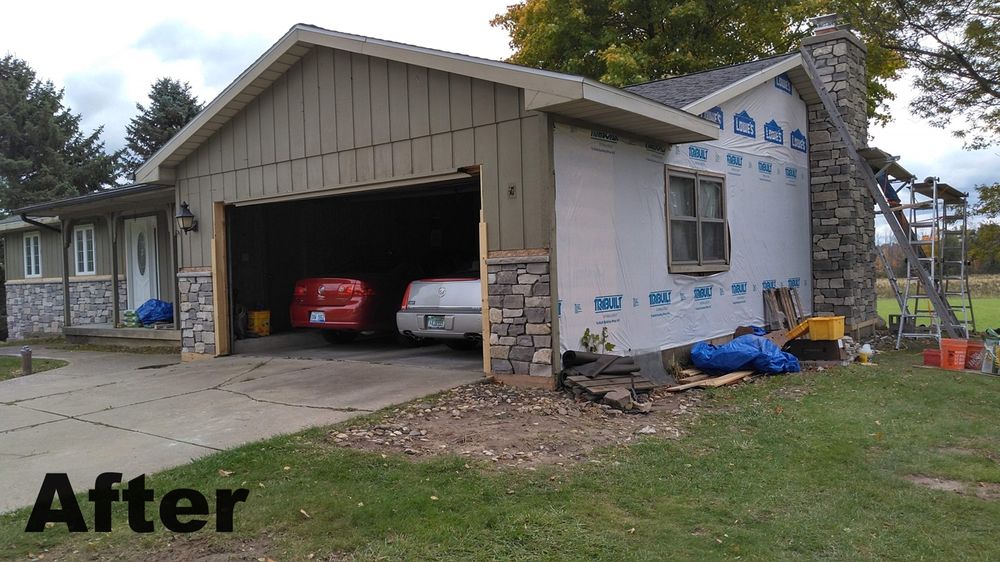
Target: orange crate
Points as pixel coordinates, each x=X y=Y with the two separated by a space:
x=953 y=352
x=974 y=355
x=932 y=357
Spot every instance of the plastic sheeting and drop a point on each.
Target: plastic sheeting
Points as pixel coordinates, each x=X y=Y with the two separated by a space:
x=745 y=352
x=611 y=231
x=155 y=310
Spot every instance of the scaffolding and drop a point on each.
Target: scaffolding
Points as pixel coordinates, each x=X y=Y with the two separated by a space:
x=935 y=217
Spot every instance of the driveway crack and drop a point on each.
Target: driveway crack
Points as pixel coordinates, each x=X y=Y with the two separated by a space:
x=264 y=401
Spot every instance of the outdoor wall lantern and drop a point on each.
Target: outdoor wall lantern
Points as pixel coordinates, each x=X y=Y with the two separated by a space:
x=185 y=219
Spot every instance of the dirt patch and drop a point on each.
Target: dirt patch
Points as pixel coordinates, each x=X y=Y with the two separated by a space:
x=982 y=490
x=516 y=427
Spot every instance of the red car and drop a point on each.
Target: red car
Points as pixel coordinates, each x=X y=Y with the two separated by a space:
x=345 y=306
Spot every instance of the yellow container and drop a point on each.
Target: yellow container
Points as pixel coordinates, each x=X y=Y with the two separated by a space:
x=826 y=328
x=259 y=322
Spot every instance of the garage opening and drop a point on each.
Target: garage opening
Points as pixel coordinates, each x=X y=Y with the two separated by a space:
x=331 y=273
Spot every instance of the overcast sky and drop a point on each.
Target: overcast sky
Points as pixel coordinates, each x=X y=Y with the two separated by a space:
x=106 y=55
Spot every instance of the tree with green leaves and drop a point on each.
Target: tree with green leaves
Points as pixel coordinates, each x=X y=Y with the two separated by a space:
x=984 y=248
x=622 y=42
x=43 y=153
x=171 y=106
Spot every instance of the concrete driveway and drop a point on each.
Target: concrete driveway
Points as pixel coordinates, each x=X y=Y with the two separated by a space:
x=142 y=413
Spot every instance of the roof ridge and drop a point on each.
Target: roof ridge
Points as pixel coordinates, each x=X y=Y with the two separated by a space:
x=707 y=70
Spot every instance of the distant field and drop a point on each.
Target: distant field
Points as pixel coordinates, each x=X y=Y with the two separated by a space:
x=986 y=311
x=979 y=286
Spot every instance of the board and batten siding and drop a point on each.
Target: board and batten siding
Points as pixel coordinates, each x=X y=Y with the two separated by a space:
x=336 y=118
x=52 y=252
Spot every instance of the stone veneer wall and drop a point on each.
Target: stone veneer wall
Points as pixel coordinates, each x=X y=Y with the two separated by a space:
x=520 y=313
x=843 y=215
x=197 y=314
x=37 y=308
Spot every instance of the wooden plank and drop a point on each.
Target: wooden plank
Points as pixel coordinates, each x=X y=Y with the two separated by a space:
x=220 y=280
x=379 y=89
x=282 y=147
x=798 y=304
x=361 y=97
x=713 y=382
x=310 y=103
x=484 y=301
x=345 y=100
x=584 y=380
x=399 y=105
x=440 y=101
x=419 y=108
x=327 y=101
x=603 y=389
x=693 y=378
x=296 y=113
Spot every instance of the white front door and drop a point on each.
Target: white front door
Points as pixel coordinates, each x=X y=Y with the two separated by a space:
x=141 y=261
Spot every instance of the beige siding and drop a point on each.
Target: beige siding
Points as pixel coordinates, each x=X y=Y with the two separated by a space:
x=336 y=118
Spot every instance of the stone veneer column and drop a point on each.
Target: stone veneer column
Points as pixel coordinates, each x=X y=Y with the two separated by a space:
x=197 y=314
x=843 y=216
x=520 y=313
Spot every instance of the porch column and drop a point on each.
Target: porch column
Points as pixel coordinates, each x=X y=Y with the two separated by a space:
x=66 y=239
x=113 y=237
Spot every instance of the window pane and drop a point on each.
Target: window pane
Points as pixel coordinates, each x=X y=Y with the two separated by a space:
x=710 y=202
x=684 y=240
x=681 y=196
x=713 y=241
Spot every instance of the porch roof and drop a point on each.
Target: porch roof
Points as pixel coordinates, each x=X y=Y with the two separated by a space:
x=117 y=199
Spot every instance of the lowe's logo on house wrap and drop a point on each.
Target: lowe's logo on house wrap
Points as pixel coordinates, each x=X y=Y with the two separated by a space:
x=734 y=160
x=782 y=83
x=659 y=298
x=703 y=293
x=698 y=152
x=764 y=167
x=738 y=289
x=773 y=132
x=744 y=125
x=603 y=136
x=716 y=116
x=798 y=141
x=608 y=303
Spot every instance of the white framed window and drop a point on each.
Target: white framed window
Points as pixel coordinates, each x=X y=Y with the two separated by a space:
x=83 y=249
x=32 y=254
x=697 y=231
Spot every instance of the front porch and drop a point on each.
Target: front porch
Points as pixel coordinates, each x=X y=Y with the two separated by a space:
x=106 y=334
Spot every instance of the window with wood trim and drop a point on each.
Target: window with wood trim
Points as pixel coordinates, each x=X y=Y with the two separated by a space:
x=697 y=231
x=32 y=254
x=83 y=249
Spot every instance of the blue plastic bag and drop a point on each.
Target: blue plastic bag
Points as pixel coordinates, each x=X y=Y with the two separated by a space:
x=155 y=310
x=746 y=352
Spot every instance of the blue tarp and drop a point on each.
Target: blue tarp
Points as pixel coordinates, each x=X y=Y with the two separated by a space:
x=155 y=310
x=745 y=352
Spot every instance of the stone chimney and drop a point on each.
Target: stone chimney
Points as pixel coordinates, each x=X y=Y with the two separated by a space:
x=843 y=216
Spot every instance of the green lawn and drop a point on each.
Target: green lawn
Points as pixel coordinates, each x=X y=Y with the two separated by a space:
x=794 y=467
x=10 y=367
x=987 y=311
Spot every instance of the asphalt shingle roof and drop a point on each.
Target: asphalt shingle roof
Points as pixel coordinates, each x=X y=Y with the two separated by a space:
x=680 y=91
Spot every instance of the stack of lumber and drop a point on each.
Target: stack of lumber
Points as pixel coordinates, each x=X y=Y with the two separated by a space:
x=782 y=308
x=694 y=378
x=598 y=374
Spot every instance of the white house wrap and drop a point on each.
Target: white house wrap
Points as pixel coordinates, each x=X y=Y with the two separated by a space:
x=612 y=232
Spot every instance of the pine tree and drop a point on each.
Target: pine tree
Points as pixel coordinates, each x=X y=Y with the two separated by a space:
x=43 y=153
x=171 y=106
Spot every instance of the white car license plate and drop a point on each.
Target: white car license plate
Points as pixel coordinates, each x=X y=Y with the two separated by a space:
x=435 y=322
x=317 y=316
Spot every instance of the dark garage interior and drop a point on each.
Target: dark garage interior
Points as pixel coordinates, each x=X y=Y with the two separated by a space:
x=406 y=233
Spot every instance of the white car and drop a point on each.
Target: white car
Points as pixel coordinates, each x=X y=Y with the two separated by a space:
x=447 y=309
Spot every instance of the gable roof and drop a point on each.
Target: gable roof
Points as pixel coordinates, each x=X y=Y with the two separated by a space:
x=680 y=91
x=571 y=96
